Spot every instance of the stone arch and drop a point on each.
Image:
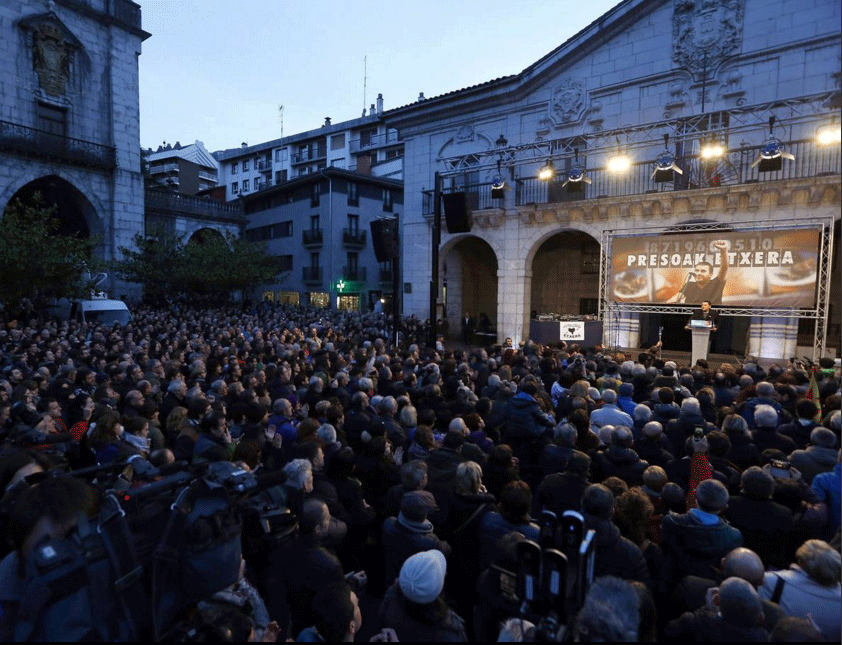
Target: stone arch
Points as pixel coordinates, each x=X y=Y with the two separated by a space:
x=469 y=266
x=203 y=234
x=543 y=234
x=564 y=269
x=77 y=211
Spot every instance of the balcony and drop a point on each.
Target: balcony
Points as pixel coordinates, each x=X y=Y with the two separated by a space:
x=375 y=141
x=311 y=237
x=311 y=275
x=162 y=168
x=264 y=165
x=353 y=238
x=306 y=156
x=353 y=274
x=208 y=176
x=165 y=202
x=55 y=147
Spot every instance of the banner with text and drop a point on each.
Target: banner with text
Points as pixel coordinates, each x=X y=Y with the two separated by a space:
x=776 y=268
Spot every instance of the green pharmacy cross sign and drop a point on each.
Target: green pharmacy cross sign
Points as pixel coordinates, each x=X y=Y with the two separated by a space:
x=348 y=286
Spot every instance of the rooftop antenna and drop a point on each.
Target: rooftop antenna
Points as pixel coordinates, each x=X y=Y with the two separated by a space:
x=365 y=80
x=281 y=117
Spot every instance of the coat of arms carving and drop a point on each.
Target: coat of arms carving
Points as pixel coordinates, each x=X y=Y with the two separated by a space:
x=51 y=57
x=705 y=32
x=568 y=102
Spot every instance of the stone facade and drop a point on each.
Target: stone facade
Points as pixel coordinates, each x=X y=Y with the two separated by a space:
x=691 y=69
x=69 y=110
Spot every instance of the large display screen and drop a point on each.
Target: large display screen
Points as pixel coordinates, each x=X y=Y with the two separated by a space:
x=774 y=268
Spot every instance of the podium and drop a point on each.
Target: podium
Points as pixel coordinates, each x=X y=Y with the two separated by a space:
x=701 y=337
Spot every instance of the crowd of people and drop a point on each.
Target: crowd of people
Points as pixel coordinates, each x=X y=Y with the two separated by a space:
x=415 y=474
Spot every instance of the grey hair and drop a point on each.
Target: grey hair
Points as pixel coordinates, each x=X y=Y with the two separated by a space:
x=642 y=412
x=711 y=496
x=690 y=404
x=566 y=434
x=820 y=561
x=297 y=471
x=610 y=613
x=765 y=416
x=765 y=389
x=326 y=433
x=639 y=369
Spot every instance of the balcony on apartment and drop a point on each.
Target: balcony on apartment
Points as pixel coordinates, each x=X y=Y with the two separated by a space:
x=311 y=237
x=375 y=141
x=264 y=166
x=353 y=238
x=314 y=153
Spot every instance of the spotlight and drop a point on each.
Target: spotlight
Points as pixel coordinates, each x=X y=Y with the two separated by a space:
x=830 y=135
x=576 y=179
x=619 y=163
x=547 y=172
x=712 y=150
x=771 y=154
x=498 y=184
x=665 y=166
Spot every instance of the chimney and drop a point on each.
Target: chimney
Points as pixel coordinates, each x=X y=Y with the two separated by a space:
x=379 y=104
x=327 y=122
x=421 y=96
x=244 y=145
x=371 y=110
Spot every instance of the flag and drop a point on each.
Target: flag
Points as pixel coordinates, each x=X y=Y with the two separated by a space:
x=813 y=395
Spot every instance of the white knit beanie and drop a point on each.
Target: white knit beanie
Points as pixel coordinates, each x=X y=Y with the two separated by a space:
x=422 y=576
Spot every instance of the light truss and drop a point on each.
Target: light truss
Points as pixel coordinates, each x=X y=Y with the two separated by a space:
x=740 y=120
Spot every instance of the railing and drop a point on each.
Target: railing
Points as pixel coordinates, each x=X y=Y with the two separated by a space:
x=168 y=167
x=311 y=275
x=208 y=176
x=176 y=203
x=310 y=155
x=735 y=168
x=311 y=237
x=355 y=274
x=376 y=141
x=264 y=166
x=353 y=237
x=38 y=143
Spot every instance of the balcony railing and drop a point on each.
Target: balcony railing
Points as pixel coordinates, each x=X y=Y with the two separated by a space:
x=311 y=237
x=355 y=274
x=376 y=141
x=311 y=275
x=264 y=166
x=167 y=167
x=175 y=203
x=811 y=160
x=46 y=145
x=310 y=155
x=209 y=176
x=353 y=237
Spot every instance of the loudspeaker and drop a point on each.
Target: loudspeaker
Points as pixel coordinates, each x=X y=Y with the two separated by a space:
x=384 y=238
x=456 y=214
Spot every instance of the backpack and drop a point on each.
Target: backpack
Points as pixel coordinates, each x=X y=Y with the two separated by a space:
x=86 y=586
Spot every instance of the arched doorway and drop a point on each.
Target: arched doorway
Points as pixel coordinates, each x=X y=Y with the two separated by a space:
x=470 y=284
x=565 y=275
x=204 y=235
x=74 y=213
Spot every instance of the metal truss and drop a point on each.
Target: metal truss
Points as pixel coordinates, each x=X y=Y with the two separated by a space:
x=608 y=307
x=788 y=112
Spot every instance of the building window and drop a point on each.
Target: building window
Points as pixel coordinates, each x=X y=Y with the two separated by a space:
x=320 y=299
x=353 y=224
x=52 y=119
x=387 y=200
x=353 y=264
x=246 y=185
x=234 y=168
x=353 y=194
x=337 y=141
x=245 y=165
x=280 y=176
x=235 y=188
x=288 y=297
x=314 y=222
x=394 y=153
x=283 y=229
x=315 y=194
x=285 y=263
x=367 y=137
x=268 y=296
x=281 y=154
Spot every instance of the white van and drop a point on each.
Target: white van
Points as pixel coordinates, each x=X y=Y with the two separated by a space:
x=97 y=310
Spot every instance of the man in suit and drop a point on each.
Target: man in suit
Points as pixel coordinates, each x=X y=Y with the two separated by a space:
x=469 y=325
x=707 y=314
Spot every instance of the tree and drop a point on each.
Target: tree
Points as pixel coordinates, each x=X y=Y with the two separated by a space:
x=36 y=262
x=209 y=269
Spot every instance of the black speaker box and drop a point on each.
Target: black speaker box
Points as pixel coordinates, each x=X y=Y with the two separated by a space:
x=384 y=238
x=456 y=213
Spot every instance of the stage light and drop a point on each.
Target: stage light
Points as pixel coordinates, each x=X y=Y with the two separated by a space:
x=498 y=184
x=619 y=163
x=771 y=154
x=712 y=150
x=576 y=179
x=547 y=172
x=829 y=135
x=665 y=166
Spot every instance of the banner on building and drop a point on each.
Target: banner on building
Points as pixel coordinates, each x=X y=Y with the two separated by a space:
x=773 y=268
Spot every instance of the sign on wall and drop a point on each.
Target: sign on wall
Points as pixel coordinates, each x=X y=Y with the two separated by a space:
x=772 y=268
x=572 y=330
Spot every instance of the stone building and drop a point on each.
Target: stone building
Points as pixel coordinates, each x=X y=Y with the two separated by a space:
x=69 y=119
x=699 y=71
